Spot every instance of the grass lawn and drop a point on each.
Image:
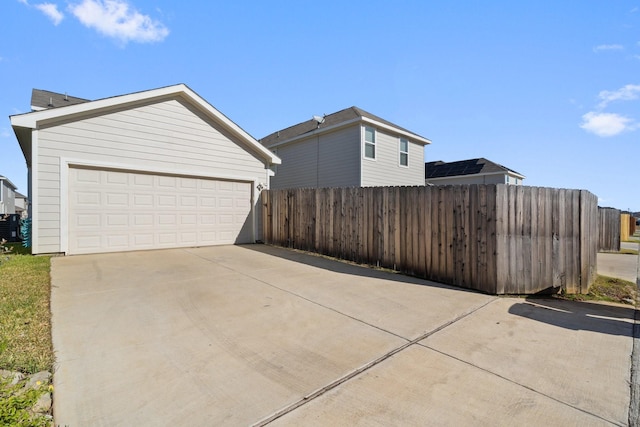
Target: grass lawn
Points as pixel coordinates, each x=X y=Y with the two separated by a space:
x=25 y=333
x=25 y=318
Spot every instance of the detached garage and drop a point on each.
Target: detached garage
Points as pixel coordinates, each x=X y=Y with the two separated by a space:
x=149 y=170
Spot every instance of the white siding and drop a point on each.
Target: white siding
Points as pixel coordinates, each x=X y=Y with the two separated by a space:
x=166 y=136
x=385 y=170
x=328 y=160
x=469 y=179
x=7 y=199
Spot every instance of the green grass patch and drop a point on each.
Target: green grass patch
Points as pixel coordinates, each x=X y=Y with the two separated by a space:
x=15 y=405
x=16 y=248
x=628 y=252
x=609 y=289
x=25 y=316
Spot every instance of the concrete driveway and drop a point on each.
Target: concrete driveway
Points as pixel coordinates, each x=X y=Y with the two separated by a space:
x=255 y=335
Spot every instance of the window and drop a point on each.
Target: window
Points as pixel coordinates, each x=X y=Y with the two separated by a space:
x=369 y=143
x=404 y=152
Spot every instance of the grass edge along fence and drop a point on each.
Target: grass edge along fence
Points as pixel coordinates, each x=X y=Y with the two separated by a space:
x=497 y=239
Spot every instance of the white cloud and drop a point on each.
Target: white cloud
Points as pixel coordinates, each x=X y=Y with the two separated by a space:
x=607 y=124
x=51 y=10
x=605 y=47
x=117 y=19
x=625 y=93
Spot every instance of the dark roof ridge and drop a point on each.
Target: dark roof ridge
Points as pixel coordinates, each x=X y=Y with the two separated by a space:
x=480 y=165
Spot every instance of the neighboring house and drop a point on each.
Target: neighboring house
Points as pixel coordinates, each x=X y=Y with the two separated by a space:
x=7 y=196
x=346 y=149
x=155 y=169
x=22 y=205
x=473 y=171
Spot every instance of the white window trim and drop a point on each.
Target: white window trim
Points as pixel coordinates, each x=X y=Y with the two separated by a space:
x=400 y=152
x=365 y=142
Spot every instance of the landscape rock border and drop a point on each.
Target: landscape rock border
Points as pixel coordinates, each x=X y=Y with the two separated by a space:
x=38 y=381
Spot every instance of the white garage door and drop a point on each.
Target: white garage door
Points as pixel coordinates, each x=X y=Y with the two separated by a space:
x=112 y=211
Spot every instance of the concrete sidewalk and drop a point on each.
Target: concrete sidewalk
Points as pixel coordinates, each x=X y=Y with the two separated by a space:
x=260 y=335
x=622 y=266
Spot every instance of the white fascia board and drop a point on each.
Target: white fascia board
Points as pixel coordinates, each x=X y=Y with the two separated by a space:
x=315 y=132
x=409 y=135
x=8 y=181
x=36 y=118
x=517 y=175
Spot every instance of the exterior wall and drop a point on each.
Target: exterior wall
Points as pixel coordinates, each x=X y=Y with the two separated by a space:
x=327 y=160
x=21 y=207
x=167 y=137
x=470 y=179
x=385 y=170
x=7 y=199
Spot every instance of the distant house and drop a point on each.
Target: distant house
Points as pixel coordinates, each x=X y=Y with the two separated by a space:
x=7 y=196
x=349 y=148
x=22 y=205
x=472 y=171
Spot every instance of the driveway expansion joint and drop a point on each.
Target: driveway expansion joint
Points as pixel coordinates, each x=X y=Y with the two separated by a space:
x=518 y=384
x=308 y=398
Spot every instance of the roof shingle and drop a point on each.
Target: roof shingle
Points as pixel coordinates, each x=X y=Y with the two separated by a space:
x=43 y=99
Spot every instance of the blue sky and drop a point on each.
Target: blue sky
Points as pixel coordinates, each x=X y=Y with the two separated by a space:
x=550 y=89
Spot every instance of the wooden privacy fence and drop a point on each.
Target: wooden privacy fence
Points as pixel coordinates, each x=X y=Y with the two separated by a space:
x=497 y=239
x=608 y=230
x=625 y=227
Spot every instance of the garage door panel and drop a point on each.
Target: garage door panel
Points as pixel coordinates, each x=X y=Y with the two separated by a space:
x=119 y=211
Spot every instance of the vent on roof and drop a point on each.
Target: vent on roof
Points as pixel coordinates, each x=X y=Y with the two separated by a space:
x=66 y=97
x=319 y=120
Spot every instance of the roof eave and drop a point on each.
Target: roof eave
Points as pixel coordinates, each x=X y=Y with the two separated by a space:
x=507 y=172
x=412 y=136
x=409 y=135
x=35 y=119
x=8 y=181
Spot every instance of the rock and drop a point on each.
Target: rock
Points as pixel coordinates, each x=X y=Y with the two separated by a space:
x=16 y=377
x=43 y=405
x=41 y=379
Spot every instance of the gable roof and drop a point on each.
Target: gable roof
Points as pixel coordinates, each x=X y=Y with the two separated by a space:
x=23 y=123
x=478 y=166
x=8 y=181
x=335 y=120
x=44 y=99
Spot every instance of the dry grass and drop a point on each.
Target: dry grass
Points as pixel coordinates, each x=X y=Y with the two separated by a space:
x=25 y=317
x=628 y=252
x=609 y=289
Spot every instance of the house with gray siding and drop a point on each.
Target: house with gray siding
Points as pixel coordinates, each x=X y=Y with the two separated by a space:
x=472 y=171
x=349 y=148
x=7 y=196
x=155 y=169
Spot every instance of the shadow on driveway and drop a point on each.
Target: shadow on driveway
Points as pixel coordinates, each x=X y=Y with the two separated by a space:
x=348 y=267
x=578 y=316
